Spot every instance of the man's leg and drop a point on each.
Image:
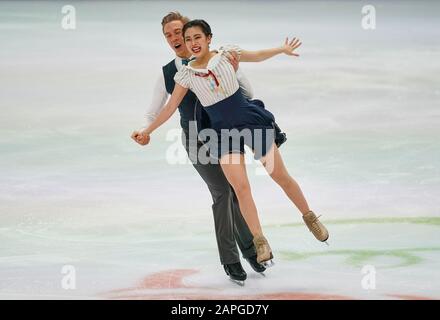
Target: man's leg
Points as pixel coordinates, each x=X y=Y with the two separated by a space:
x=222 y=208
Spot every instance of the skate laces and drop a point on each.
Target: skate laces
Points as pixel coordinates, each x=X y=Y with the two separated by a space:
x=313 y=223
x=316 y=225
x=260 y=241
x=260 y=244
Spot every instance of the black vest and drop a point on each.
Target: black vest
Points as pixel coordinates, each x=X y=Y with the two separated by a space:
x=188 y=104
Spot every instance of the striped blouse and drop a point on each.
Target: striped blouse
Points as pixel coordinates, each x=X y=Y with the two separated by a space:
x=213 y=84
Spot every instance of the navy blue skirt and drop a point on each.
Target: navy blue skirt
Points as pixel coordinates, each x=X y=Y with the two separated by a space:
x=228 y=125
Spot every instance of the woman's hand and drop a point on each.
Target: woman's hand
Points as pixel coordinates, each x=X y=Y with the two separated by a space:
x=141 y=137
x=290 y=46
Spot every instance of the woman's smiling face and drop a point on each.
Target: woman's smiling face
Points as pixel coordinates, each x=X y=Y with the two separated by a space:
x=196 y=41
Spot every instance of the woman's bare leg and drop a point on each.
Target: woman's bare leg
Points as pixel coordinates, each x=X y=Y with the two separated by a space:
x=278 y=172
x=234 y=168
x=274 y=165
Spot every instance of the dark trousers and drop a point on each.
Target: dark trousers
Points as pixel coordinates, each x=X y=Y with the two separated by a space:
x=230 y=227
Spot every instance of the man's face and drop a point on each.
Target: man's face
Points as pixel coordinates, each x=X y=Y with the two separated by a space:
x=173 y=33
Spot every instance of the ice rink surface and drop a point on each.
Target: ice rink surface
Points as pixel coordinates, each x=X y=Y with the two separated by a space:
x=360 y=109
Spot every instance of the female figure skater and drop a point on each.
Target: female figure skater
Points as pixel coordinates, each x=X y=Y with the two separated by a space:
x=213 y=80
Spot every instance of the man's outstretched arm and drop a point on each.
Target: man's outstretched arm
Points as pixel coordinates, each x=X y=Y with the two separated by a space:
x=160 y=97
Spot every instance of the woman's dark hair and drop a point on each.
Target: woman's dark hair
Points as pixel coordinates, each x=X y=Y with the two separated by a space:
x=206 y=29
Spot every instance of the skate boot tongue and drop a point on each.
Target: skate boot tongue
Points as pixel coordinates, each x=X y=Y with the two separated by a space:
x=315 y=226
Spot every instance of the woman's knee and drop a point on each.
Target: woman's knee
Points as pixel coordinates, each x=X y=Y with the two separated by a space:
x=281 y=177
x=242 y=188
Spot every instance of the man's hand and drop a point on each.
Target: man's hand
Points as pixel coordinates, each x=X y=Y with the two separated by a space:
x=141 y=137
x=289 y=47
x=233 y=59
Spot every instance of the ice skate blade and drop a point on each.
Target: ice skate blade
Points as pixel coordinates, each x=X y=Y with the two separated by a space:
x=326 y=242
x=268 y=263
x=239 y=282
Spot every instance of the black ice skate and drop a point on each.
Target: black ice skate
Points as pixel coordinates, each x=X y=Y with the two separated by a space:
x=236 y=273
x=255 y=265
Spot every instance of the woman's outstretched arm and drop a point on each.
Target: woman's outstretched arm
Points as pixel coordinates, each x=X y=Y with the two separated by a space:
x=260 y=55
x=176 y=98
x=142 y=136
